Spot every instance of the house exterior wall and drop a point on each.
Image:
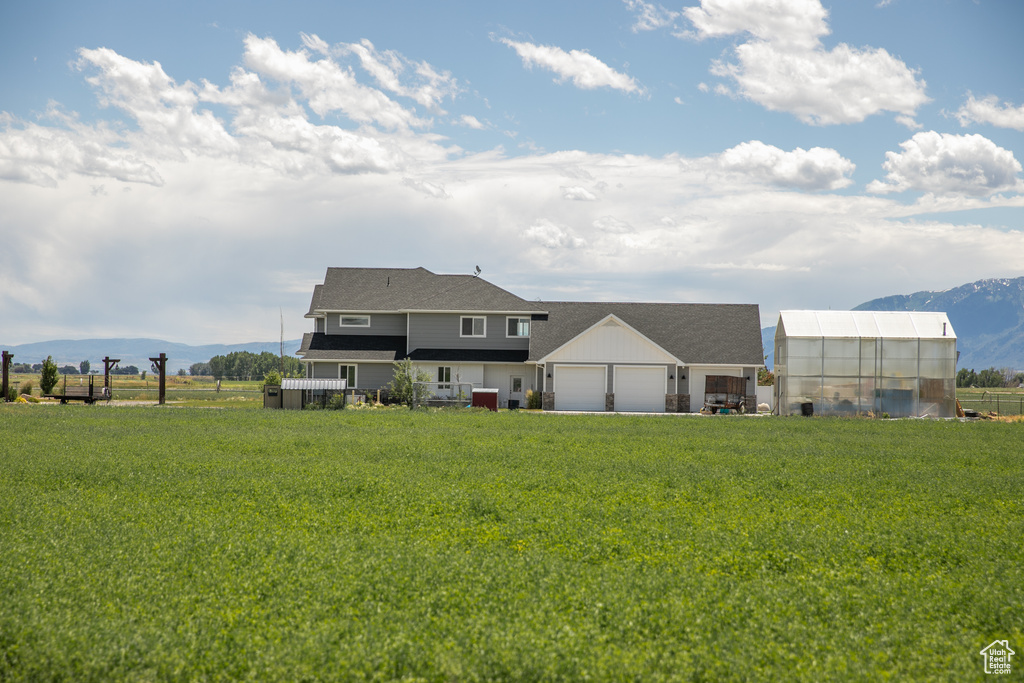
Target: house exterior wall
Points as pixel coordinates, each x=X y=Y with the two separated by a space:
x=381 y=324
x=442 y=331
x=374 y=375
x=499 y=377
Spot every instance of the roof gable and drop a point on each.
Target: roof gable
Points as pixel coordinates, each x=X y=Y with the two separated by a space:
x=711 y=334
x=610 y=340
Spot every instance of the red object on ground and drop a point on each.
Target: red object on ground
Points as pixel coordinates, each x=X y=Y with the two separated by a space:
x=485 y=398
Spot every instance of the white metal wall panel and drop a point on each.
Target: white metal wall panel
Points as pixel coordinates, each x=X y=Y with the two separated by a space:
x=640 y=389
x=580 y=388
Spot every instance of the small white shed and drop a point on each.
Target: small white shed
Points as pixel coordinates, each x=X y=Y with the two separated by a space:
x=900 y=363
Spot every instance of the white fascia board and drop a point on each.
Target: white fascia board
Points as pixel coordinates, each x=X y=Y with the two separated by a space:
x=602 y=321
x=467 y=312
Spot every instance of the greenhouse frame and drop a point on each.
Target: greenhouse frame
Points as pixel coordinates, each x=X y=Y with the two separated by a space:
x=900 y=364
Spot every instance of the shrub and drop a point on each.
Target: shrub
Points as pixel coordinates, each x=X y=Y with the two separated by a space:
x=533 y=400
x=48 y=375
x=401 y=387
x=336 y=402
x=25 y=389
x=273 y=378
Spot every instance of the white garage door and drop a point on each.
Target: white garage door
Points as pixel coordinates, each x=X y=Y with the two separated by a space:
x=640 y=389
x=579 y=388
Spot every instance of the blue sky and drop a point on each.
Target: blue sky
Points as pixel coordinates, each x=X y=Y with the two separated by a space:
x=189 y=170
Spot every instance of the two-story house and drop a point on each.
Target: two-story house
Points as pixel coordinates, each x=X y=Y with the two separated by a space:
x=646 y=357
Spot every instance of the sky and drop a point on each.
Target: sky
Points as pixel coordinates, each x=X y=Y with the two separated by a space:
x=188 y=171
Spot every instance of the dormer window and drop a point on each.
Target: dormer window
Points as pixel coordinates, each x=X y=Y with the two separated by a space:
x=355 y=320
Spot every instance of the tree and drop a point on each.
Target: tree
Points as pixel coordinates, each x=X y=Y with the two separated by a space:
x=990 y=379
x=84 y=366
x=273 y=378
x=966 y=378
x=401 y=387
x=197 y=369
x=68 y=370
x=48 y=375
x=181 y=372
x=765 y=377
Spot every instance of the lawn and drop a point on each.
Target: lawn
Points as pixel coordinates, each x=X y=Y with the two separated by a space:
x=187 y=543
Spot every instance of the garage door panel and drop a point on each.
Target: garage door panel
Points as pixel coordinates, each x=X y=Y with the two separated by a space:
x=579 y=388
x=640 y=389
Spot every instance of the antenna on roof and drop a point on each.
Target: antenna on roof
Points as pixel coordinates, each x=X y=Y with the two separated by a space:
x=477 y=271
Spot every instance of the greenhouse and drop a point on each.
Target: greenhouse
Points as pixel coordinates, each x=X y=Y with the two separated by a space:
x=901 y=364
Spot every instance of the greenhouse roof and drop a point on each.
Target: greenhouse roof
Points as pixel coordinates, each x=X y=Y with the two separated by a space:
x=870 y=324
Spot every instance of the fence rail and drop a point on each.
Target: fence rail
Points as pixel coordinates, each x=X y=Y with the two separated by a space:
x=1001 y=404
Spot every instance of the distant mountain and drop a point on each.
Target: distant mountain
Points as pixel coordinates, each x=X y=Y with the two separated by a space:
x=136 y=352
x=987 y=315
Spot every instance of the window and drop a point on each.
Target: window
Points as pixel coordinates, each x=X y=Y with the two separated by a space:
x=518 y=327
x=355 y=321
x=474 y=326
x=444 y=374
x=347 y=372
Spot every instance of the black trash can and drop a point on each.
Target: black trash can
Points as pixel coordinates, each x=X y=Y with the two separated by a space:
x=513 y=404
x=807 y=409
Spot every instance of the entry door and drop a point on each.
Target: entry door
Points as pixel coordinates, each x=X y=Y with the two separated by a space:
x=515 y=390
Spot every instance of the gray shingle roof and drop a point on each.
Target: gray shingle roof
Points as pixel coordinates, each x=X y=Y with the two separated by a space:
x=727 y=334
x=411 y=289
x=320 y=346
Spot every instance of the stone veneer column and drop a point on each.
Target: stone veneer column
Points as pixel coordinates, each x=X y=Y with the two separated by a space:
x=671 y=403
x=684 y=403
x=609 y=403
x=547 y=400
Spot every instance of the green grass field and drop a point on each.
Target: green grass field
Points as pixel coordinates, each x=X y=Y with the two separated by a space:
x=191 y=544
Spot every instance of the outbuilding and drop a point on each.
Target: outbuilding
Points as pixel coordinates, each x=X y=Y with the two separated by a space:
x=900 y=363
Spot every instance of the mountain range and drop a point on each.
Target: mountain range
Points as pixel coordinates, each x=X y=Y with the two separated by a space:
x=987 y=316
x=136 y=352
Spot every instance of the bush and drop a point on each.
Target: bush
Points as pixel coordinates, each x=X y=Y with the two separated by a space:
x=48 y=375
x=12 y=394
x=401 y=387
x=533 y=400
x=273 y=378
x=336 y=402
x=25 y=388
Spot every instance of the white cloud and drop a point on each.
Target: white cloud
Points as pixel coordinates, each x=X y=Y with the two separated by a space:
x=613 y=225
x=814 y=169
x=552 y=236
x=165 y=111
x=327 y=86
x=578 y=193
x=434 y=190
x=908 y=121
x=388 y=67
x=650 y=16
x=471 y=122
x=784 y=67
x=784 y=22
x=42 y=155
x=988 y=110
x=950 y=164
x=582 y=68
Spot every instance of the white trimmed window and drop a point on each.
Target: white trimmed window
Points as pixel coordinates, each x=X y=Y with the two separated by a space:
x=347 y=372
x=444 y=374
x=517 y=327
x=473 y=326
x=354 y=321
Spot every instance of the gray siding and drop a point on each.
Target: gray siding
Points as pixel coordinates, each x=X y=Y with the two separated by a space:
x=381 y=324
x=441 y=331
x=368 y=375
x=374 y=375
